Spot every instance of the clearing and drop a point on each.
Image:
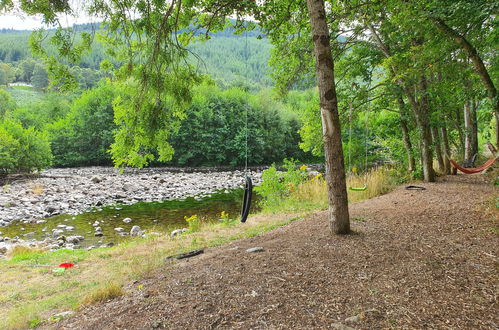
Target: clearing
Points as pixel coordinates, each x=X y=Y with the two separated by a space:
x=419 y=259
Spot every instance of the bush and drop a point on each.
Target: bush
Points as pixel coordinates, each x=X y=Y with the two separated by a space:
x=214 y=132
x=22 y=149
x=277 y=185
x=84 y=136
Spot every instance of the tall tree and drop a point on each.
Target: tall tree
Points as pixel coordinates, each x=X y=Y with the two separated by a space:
x=331 y=128
x=40 y=78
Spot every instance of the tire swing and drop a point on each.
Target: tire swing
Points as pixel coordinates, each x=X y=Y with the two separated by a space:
x=363 y=188
x=248 y=192
x=248 y=187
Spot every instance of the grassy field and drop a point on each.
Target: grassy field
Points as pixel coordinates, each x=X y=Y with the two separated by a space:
x=25 y=95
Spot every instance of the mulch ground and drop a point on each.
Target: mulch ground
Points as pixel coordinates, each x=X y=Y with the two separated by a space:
x=419 y=259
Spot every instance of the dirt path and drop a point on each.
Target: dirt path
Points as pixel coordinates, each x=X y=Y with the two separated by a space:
x=421 y=259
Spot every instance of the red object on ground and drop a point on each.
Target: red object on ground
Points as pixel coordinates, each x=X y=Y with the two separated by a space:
x=473 y=170
x=66 y=265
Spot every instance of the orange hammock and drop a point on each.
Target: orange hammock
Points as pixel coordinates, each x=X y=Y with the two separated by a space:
x=474 y=170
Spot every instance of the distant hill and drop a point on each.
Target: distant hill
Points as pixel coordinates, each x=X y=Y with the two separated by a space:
x=227 y=57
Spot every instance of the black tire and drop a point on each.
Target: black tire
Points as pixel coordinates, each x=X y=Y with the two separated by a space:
x=248 y=192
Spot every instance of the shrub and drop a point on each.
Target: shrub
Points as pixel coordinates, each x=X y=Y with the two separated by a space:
x=21 y=149
x=84 y=136
x=277 y=185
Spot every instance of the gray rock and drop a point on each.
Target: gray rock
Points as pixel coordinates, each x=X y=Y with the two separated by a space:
x=353 y=319
x=98 y=234
x=96 y=179
x=119 y=229
x=127 y=220
x=57 y=232
x=63 y=314
x=74 y=239
x=255 y=249
x=178 y=231
x=135 y=231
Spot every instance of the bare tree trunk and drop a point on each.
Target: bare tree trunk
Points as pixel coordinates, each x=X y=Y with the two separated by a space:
x=331 y=130
x=478 y=64
x=411 y=163
x=470 y=134
x=438 y=149
x=474 y=127
x=422 y=116
x=446 y=148
x=459 y=128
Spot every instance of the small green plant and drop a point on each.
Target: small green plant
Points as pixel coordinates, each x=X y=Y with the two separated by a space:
x=193 y=223
x=33 y=323
x=225 y=219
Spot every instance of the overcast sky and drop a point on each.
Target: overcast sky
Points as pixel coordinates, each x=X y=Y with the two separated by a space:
x=31 y=23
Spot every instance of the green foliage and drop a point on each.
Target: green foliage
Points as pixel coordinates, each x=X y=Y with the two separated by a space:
x=49 y=108
x=22 y=149
x=83 y=137
x=6 y=103
x=214 y=132
x=40 y=77
x=277 y=185
x=3 y=77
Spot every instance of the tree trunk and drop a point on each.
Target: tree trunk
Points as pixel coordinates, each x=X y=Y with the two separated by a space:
x=474 y=127
x=331 y=129
x=422 y=116
x=438 y=149
x=459 y=128
x=411 y=163
x=470 y=134
x=446 y=148
x=478 y=64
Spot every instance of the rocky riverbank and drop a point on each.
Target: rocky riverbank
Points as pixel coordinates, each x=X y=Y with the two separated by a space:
x=76 y=190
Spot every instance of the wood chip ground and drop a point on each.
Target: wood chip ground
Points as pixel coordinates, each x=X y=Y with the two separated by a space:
x=419 y=259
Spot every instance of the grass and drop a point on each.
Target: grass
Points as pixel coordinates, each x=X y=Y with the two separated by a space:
x=103 y=293
x=30 y=293
x=312 y=194
x=25 y=95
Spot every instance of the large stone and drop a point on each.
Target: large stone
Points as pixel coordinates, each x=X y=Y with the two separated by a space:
x=178 y=231
x=135 y=231
x=127 y=220
x=73 y=239
x=255 y=249
x=97 y=179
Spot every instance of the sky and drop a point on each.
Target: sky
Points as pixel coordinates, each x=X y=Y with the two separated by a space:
x=18 y=22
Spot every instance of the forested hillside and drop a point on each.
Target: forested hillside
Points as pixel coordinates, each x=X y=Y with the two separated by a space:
x=229 y=58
